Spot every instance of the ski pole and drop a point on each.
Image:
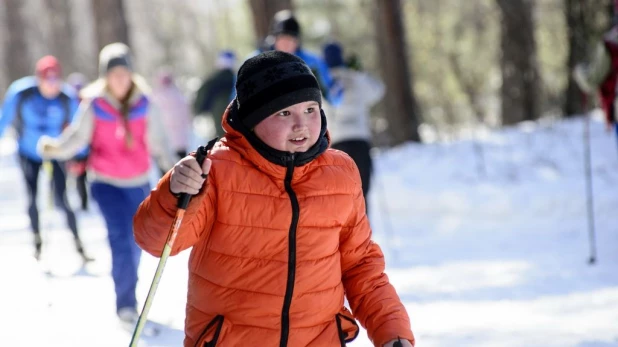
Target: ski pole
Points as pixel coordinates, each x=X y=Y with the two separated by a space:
x=589 y=190
x=183 y=202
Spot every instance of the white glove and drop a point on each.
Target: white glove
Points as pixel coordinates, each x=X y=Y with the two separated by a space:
x=46 y=147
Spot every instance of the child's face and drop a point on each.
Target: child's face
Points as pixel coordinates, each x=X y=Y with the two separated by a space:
x=293 y=129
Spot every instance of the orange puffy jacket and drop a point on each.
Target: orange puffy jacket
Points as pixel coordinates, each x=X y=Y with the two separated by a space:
x=275 y=249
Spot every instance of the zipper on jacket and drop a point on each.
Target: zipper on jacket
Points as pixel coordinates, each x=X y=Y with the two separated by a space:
x=289 y=289
x=215 y=322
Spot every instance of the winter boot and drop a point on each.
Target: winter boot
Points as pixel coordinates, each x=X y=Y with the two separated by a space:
x=38 y=244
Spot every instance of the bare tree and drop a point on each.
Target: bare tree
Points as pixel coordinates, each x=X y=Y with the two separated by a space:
x=472 y=78
x=16 y=54
x=263 y=12
x=520 y=91
x=401 y=108
x=110 y=22
x=59 y=12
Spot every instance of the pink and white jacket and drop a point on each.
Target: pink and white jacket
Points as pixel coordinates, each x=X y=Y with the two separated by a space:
x=99 y=124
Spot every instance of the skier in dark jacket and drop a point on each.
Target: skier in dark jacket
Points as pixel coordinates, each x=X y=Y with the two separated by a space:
x=214 y=94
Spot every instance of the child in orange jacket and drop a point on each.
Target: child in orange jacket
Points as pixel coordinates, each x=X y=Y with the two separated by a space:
x=278 y=228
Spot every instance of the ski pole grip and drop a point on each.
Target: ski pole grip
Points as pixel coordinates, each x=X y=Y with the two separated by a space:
x=200 y=156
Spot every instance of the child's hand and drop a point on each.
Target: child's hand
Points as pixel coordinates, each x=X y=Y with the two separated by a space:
x=187 y=175
x=402 y=343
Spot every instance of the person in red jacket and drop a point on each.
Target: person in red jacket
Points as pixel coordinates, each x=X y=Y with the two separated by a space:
x=600 y=76
x=278 y=228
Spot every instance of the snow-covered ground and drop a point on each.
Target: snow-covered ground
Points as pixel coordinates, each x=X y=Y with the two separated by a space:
x=493 y=258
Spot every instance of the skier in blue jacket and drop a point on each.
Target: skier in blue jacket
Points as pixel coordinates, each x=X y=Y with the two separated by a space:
x=35 y=106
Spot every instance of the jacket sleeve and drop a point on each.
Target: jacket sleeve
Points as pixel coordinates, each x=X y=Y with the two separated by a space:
x=334 y=89
x=9 y=110
x=73 y=108
x=155 y=215
x=373 y=300
x=73 y=139
x=589 y=77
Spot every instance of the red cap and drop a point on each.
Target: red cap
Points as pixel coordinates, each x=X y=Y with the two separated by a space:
x=48 y=67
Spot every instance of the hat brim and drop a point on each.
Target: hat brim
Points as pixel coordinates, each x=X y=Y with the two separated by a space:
x=280 y=103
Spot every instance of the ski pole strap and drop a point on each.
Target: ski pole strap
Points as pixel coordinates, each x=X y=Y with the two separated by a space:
x=200 y=156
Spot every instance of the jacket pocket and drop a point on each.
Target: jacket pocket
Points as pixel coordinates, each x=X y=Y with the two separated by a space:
x=346 y=326
x=210 y=335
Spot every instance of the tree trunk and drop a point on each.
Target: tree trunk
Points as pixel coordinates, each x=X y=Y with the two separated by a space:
x=583 y=28
x=263 y=13
x=520 y=91
x=16 y=56
x=401 y=107
x=59 y=12
x=110 y=22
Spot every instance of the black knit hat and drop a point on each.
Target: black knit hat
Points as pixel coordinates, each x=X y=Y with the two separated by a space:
x=284 y=23
x=272 y=81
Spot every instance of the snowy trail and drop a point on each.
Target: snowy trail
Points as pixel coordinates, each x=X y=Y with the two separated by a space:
x=479 y=261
